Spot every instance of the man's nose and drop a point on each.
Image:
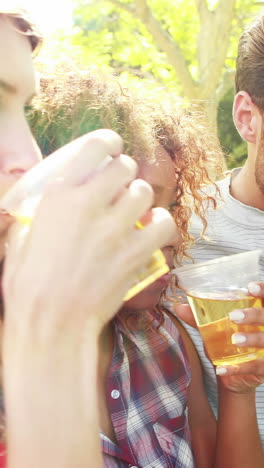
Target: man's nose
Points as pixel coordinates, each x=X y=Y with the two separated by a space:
x=18 y=164
x=19 y=155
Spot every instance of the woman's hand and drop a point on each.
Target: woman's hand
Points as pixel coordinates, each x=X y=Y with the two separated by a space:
x=246 y=376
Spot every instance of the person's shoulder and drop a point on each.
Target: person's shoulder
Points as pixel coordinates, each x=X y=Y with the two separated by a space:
x=215 y=189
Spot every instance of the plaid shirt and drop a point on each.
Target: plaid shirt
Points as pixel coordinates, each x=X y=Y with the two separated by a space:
x=146 y=392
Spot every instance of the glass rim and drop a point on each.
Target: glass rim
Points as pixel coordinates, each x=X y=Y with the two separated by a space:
x=219 y=261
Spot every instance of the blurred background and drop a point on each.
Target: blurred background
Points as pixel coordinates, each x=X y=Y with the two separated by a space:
x=185 y=46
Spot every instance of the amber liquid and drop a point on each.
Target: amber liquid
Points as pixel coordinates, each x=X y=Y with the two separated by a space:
x=217 y=334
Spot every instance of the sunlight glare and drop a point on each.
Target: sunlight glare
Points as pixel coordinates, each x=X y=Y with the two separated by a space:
x=49 y=15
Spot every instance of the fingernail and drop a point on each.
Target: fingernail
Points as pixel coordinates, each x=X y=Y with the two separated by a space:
x=236 y=315
x=237 y=339
x=254 y=288
x=221 y=370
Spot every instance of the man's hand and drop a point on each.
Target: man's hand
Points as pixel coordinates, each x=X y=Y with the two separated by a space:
x=63 y=281
x=250 y=316
x=82 y=251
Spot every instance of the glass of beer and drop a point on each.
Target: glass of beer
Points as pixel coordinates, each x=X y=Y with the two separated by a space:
x=214 y=289
x=23 y=198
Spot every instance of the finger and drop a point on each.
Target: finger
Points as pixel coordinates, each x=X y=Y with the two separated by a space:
x=142 y=243
x=15 y=243
x=87 y=153
x=134 y=203
x=247 y=368
x=69 y=164
x=249 y=340
x=107 y=185
x=248 y=316
x=184 y=312
x=162 y=228
x=256 y=289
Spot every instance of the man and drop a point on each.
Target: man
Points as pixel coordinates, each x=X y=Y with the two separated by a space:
x=58 y=265
x=238 y=223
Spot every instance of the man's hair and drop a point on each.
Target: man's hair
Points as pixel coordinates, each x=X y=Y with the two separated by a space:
x=20 y=20
x=250 y=61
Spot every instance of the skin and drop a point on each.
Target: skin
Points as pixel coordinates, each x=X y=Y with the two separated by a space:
x=248 y=185
x=44 y=426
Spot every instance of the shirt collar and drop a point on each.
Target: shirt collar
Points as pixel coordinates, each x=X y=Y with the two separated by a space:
x=129 y=327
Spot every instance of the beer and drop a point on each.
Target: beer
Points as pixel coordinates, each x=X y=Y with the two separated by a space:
x=155 y=268
x=211 y=312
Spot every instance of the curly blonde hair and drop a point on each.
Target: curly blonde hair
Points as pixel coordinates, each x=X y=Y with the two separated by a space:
x=74 y=103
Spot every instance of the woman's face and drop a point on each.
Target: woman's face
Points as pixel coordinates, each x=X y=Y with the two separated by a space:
x=161 y=176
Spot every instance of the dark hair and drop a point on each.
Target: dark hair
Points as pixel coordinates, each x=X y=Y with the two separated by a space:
x=250 y=62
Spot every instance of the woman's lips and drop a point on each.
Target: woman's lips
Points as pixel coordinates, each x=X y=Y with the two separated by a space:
x=163 y=280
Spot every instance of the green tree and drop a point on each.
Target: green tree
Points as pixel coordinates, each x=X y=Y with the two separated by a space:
x=188 y=44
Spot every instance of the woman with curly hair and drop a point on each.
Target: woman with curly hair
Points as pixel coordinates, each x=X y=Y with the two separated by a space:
x=75 y=103
x=153 y=410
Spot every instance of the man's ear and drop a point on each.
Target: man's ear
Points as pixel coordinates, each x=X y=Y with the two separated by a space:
x=245 y=116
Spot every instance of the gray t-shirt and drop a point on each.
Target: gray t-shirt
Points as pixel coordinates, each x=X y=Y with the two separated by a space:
x=232 y=228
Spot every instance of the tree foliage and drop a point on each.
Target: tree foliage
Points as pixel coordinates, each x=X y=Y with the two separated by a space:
x=191 y=43
x=187 y=46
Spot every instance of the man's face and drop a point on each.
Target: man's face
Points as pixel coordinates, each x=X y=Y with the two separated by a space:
x=18 y=150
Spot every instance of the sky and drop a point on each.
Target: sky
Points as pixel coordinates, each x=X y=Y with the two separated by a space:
x=49 y=15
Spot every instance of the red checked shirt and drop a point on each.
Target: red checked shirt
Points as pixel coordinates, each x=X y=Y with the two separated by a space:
x=147 y=392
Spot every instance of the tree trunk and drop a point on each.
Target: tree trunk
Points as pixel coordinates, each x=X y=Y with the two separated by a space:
x=212 y=46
